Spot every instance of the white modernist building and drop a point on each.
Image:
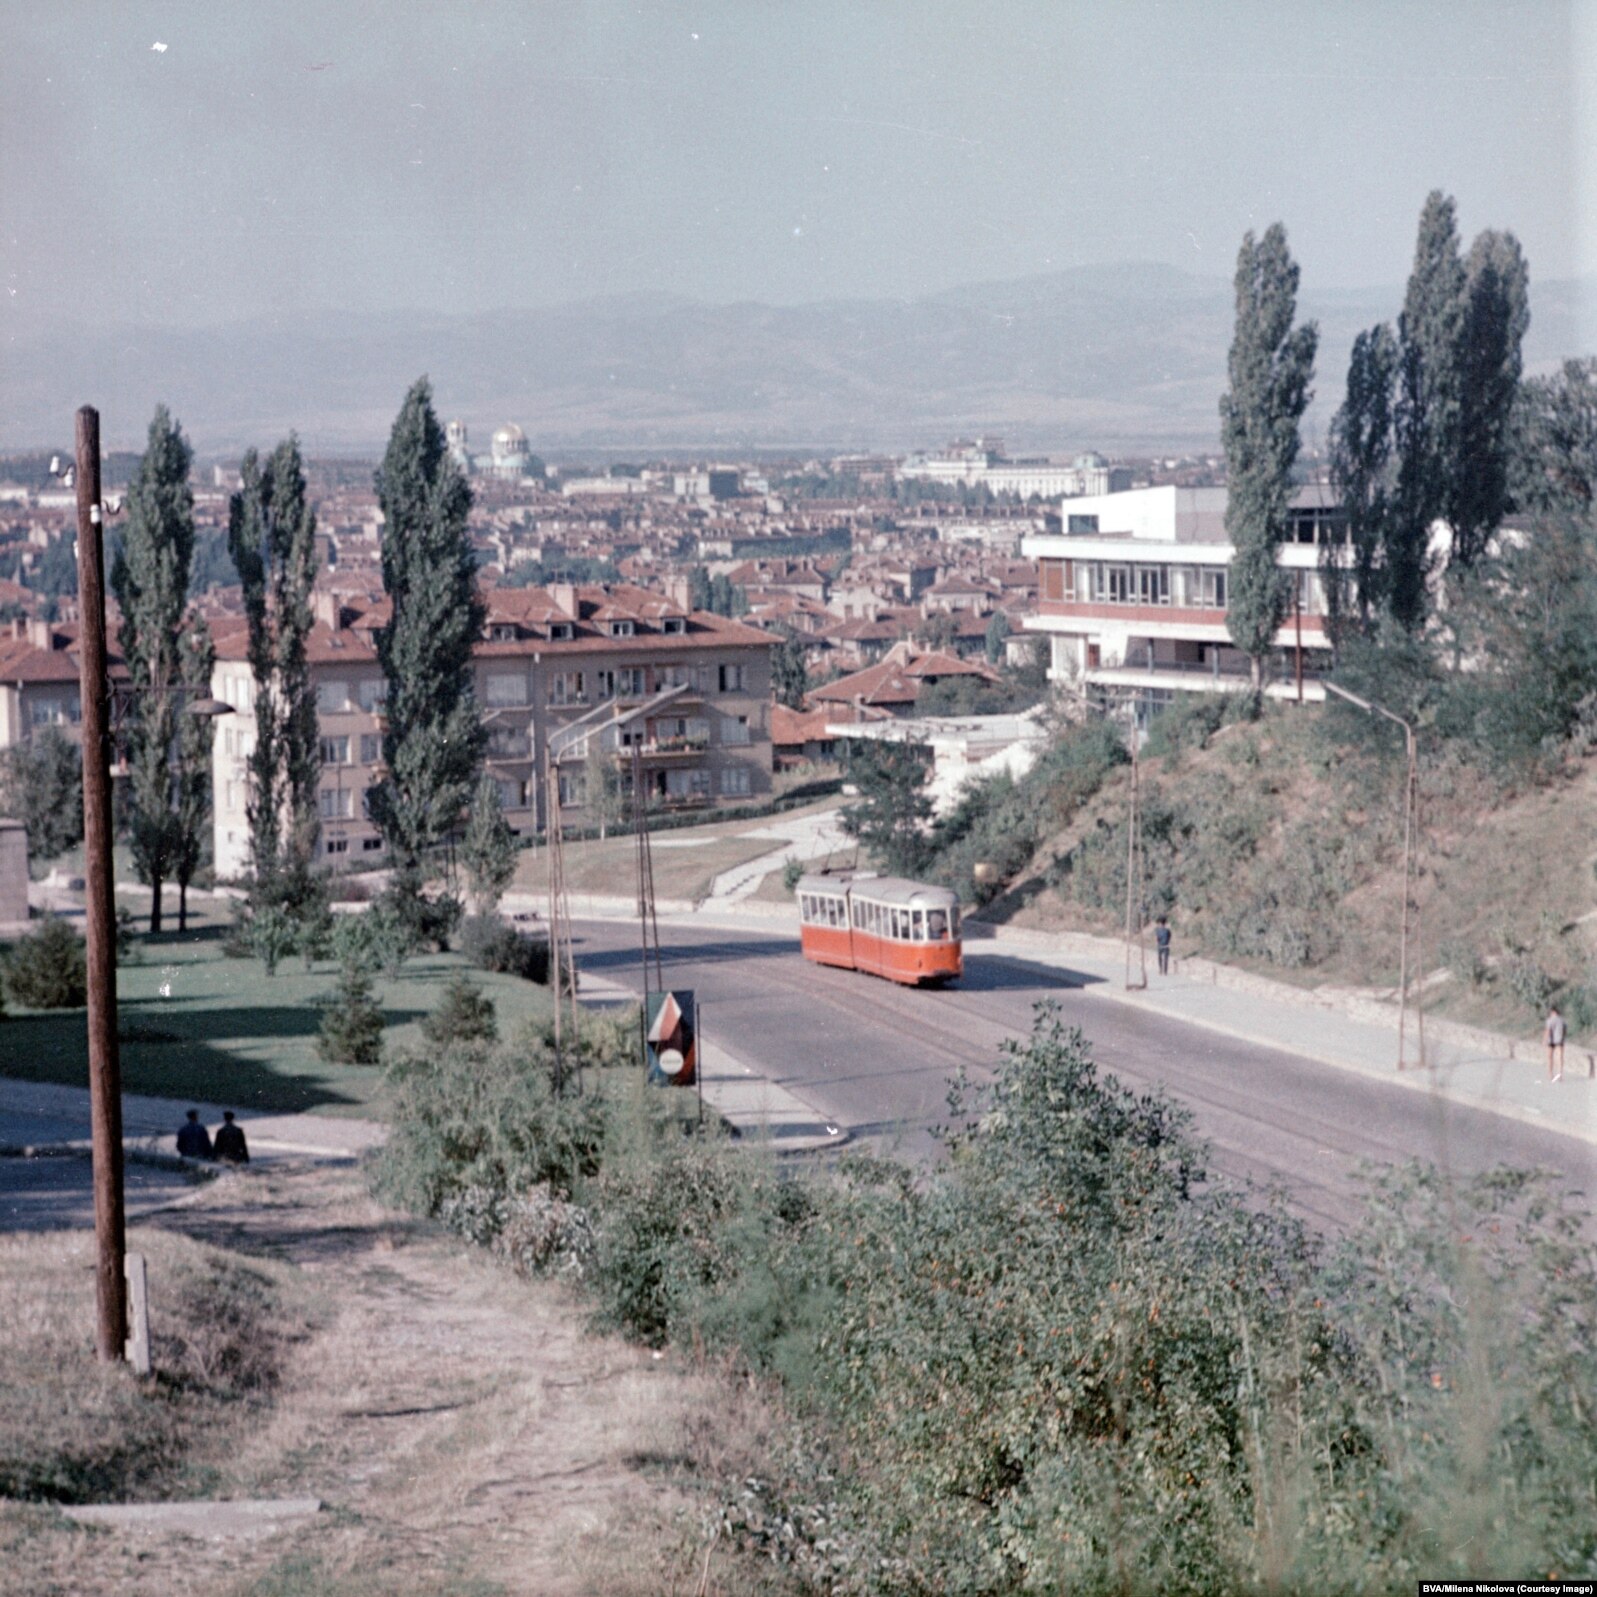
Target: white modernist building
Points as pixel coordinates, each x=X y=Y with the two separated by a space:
x=1132 y=593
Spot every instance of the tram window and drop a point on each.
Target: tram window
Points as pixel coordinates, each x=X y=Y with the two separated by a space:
x=920 y=925
x=953 y=920
x=936 y=925
x=834 y=912
x=806 y=907
x=898 y=925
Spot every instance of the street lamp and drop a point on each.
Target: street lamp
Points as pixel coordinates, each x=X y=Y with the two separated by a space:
x=1411 y=803
x=105 y=1068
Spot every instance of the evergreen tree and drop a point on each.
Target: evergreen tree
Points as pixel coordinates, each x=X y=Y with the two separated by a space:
x=997 y=637
x=698 y=589
x=351 y=1032
x=433 y=743
x=1429 y=417
x=1270 y=367
x=192 y=777
x=463 y=1015
x=489 y=849
x=1496 y=313
x=890 y=815
x=41 y=783
x=790 y=672
x=272 y=539
x=150 y=577
x=1361 y=474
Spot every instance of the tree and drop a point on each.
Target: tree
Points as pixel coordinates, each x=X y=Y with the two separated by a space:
x=1555 y=440
x=1495 y=315
x=351 y=1032
x=698 y=588
x=890 y=815
x=1270 y=367
x=997 y=636
x=433 y=742
x=1429 y=416
x=489 y=849
x=1361 y=473
x=150 y=577
x=604 y=799
x=192 y=778
x=41 y=783
x=272 y=540
x=790 y=672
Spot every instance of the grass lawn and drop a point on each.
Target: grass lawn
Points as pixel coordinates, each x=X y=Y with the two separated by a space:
x=196 y=1024
x=685 y=862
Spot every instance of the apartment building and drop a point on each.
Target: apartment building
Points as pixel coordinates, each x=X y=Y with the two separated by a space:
x=1133 y=590
x=590 y=674
x=39 y=676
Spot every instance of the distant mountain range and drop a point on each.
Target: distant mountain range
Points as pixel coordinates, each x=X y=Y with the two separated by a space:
x=1125 y=358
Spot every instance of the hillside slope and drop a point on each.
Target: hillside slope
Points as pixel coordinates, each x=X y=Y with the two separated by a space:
x=1271 y=849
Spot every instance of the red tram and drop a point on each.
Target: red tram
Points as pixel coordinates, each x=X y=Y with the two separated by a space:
x=890 y=927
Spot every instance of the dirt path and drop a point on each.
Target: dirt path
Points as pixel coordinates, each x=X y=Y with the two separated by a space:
x=463 y=1430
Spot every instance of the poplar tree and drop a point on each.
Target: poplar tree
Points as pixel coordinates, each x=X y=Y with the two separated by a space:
x=1271 y=366
x=272 y=539
x=433 y=742
x=1494 y=319
x=1429 y=407
x=150 y=577
x=192 y=778
x=1361 y=474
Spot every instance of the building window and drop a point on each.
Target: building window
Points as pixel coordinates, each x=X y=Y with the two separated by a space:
x=1118 y=584
x=1153 y=584
x=735 y=781
x=373 y=693
x=730 y=678
x=622 y=629
x=371 y=844
x=687 y=784
x=337 y=845
x=335 y=751
x=1211 y=589
x=371 y=748
x=632 y=681
x=573 y=789
x=1052 y=578
x=567 y=687
x=506 y=687
x=674 y=624
x=502 y=632
x=332 y=697
x=734 y=730
x=560 y=631
x=337 y=803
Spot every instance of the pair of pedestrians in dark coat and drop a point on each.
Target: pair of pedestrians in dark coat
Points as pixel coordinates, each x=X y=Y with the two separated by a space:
x=195 y=1142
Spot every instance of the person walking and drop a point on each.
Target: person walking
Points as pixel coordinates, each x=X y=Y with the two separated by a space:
x=1161 y=941
x=193 y=1140
x=231 y=1147
x=1554 y=1033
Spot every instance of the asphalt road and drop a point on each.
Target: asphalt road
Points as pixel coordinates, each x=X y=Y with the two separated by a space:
x=877 y=1059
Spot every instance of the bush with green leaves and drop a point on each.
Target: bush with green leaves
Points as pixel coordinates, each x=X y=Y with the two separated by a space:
x=492 y=945
x=351 y=1031
x=464 y=1015
x=48 y=969
x=374 y=939
x=273 y=935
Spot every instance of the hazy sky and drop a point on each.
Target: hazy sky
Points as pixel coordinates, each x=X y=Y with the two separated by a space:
x=381 y=154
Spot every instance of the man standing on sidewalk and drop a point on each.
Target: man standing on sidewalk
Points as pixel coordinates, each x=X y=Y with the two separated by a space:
x=1161 y=941
x=1553 y=1033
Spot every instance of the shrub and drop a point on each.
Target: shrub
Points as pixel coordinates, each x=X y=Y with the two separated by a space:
x=463 y=1015
x=791 y=872
x=47 y=969
x=273 y=935
x=492 y=945
x=352 y=1025
x=372 y=940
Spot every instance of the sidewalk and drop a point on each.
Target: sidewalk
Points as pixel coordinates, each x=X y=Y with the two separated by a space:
x=42 y=1115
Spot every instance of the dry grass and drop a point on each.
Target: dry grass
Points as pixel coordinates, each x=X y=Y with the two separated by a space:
x=1507 y=881
x=464 y=1430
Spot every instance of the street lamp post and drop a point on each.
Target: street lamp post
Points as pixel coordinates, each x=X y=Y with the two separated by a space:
x=1411 y=799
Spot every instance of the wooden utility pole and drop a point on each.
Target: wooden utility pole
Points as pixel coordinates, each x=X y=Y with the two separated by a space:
x=105 y=1068
x=554 y=824
x=648 y=923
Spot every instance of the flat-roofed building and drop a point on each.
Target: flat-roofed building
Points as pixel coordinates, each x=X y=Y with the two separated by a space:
x=1132 y=593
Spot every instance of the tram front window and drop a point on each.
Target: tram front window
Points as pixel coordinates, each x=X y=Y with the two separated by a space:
x=936 y=925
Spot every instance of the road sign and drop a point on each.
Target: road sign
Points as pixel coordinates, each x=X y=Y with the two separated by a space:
x=671 y=1038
